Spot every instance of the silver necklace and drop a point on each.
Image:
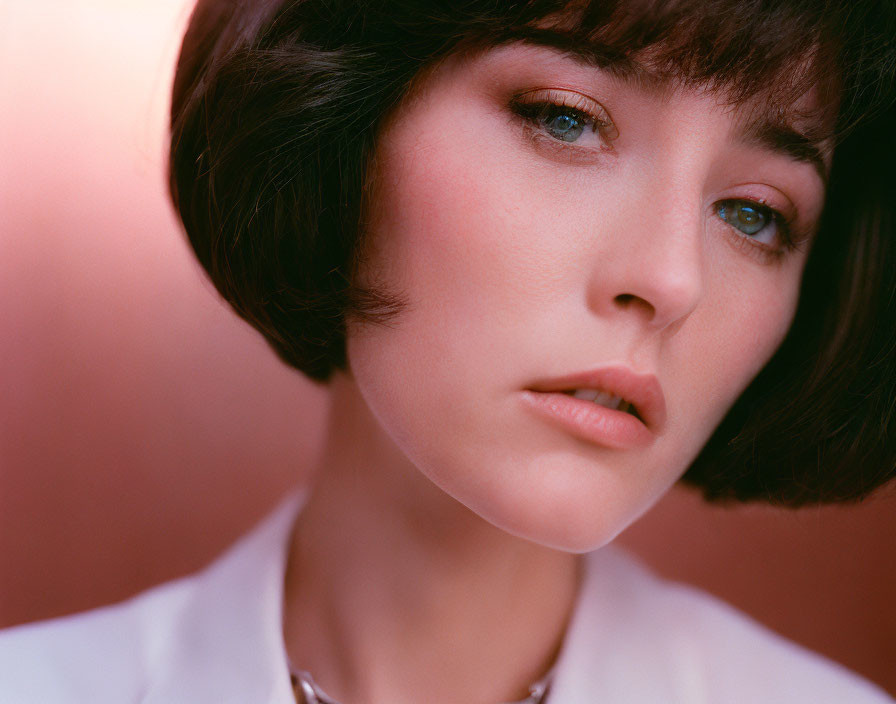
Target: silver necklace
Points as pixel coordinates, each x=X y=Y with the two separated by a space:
x=303 y=684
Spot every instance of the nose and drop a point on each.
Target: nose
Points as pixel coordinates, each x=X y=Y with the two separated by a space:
x=652 y=266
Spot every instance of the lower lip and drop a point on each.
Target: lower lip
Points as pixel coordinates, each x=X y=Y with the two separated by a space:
x=589 y=421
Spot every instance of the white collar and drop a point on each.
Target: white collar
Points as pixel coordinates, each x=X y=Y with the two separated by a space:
x=228 y=639
x=631 y=638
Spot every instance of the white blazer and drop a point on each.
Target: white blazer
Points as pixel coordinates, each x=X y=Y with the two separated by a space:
x=215 y=637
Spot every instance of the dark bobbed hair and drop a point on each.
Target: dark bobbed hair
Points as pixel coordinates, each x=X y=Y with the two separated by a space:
x=276 y=110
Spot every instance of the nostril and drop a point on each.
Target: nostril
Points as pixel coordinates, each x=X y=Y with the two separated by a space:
x=626 y=300
x=633 y=302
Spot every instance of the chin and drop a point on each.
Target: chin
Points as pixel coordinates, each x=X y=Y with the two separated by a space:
x=591 y=532
x=566 y=526
x=570 y=535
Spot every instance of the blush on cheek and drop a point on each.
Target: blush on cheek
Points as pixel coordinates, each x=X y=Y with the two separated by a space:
x=740 y=334
x=764 y=329
x=773 y=324
x=438 y=226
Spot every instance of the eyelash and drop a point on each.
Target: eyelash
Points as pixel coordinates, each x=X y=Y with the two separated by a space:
x=549 y=102
x=768 y=254
x=552 y=102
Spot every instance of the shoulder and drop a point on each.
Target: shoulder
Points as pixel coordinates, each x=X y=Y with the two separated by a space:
x=100 y=655
x=170 y=641
x=699 y=645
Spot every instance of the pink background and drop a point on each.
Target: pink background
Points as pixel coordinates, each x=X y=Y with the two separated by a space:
x=142 y=427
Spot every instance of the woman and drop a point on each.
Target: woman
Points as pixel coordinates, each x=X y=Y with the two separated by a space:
x=549 y=257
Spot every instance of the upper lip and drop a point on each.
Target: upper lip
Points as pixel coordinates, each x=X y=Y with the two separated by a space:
x=642 y=391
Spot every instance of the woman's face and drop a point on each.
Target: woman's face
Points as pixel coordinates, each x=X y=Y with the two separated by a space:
x=552 y=228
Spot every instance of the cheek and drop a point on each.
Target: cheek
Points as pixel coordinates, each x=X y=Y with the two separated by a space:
x=760 y=321
x=459 y=233
x=464 y=214
x=436 y=239
x=454 y=238
x=739 y=335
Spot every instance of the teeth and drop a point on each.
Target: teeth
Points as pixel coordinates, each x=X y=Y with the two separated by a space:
x=587 y=394
x=608 y=400
x=602 y=398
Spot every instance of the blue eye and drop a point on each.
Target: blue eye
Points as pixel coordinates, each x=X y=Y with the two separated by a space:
x=565 y=117
x=564 y=124
x=749 y=218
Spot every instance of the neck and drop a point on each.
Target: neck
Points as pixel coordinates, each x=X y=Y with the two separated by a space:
x=396 y=592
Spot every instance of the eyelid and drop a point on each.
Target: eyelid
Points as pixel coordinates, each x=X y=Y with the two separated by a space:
x=790 y=238
x=575 y=101
x=773 y=217
x=793 y=233
x=794 y=212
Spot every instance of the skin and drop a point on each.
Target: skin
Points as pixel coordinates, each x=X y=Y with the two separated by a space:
x=442 y=504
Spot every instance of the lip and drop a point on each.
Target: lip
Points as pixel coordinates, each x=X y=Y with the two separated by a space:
x=599 y=424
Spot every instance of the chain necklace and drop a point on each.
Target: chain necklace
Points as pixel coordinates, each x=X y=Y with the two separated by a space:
x=307 y=691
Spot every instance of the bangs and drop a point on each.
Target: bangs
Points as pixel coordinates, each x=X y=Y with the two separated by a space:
x=805 y=60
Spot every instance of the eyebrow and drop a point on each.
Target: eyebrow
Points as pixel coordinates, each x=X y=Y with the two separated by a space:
x=776 y=137
x=784 y=139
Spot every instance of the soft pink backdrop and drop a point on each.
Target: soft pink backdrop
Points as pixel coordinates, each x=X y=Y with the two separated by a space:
x=142 y=427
